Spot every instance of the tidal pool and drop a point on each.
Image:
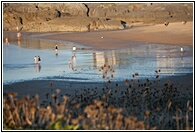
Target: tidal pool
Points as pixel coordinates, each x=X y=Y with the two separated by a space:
x=143 y=59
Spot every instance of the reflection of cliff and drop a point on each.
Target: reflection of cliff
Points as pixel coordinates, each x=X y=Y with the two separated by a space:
x=29 y=43
x=131 y=56
x=113 y=58
x=108 y=58
x=98 y=59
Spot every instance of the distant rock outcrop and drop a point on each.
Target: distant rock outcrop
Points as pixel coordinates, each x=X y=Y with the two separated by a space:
x=43 y=17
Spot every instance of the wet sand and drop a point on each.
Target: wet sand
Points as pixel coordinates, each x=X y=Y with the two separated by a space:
x=178 y=91
x=175 y=33
x=184 y=85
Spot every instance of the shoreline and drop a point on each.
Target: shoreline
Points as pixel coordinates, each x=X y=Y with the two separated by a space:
x=172 y=34
x=133 y=67
x=175 y=33
x=32 y=87
x=135 y=97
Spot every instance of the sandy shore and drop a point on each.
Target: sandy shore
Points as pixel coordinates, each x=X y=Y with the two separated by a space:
x=184 y=85
x=177 y=91
x=174 y=33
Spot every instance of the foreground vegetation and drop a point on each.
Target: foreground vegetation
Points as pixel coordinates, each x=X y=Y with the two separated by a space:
x=139 y=106
x=89 y=109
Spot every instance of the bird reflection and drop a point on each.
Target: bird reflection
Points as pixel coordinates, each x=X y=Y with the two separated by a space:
x=19 y=42
x=182 y=55
x=39 y=67
x=181 y=58
x=35 y=67
x=72 y=62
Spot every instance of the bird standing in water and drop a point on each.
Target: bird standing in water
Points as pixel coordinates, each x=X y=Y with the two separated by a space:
x=74 y=48
x=56 y=49
x=35 y=58
x=181 y=49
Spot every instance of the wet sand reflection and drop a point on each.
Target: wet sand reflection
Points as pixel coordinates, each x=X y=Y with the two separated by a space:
x=85 y=63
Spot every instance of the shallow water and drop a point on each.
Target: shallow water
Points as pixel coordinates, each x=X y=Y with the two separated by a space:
x=144 y=59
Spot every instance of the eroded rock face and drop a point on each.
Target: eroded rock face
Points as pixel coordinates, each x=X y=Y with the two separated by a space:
x=43 y=17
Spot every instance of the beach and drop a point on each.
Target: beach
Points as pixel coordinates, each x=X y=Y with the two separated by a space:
x=173 y=34
x=42 y=87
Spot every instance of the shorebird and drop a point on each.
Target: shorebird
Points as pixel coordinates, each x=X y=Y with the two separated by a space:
x=6 y=40
x=184 y=22
x=56 y=49
x=35 y=58
x=166 y=23
x=74 y=48
x=39 y=59
x=181 y=49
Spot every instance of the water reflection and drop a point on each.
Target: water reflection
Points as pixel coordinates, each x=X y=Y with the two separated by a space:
x=72 y=62
x=84 y=64
x=26 y=42
x=35 y=67
x=19 y=42
x=7 y=41
x=39 y=67
x=146 y=58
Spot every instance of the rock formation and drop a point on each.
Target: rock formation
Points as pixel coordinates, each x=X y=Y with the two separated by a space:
x=44 y=17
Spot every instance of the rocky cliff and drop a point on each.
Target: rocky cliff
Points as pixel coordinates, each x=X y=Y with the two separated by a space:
x=43 y=17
